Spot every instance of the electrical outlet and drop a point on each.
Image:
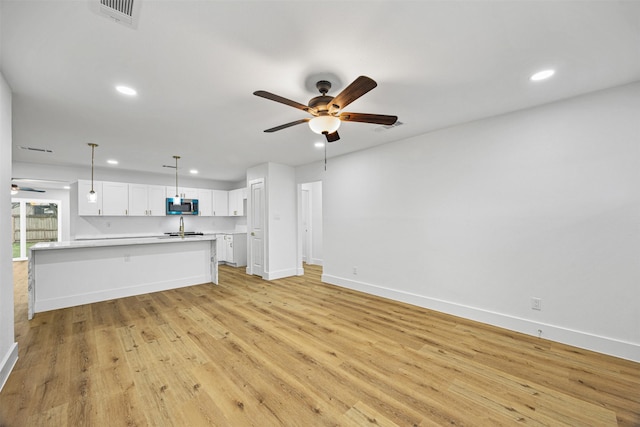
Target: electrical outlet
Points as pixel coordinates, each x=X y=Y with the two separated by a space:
x=536 y=304
x=355 y=270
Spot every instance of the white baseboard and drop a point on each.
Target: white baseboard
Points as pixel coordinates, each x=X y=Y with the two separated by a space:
x=315 y=261
x=8 y=362
x=279 y=274
x=600 y=344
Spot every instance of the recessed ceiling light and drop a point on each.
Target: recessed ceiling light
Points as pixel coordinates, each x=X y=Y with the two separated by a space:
x=112 y=162
x=542 y=75
x=66 y=187
x=319 y=144
x=126 y=90
x=193 y=171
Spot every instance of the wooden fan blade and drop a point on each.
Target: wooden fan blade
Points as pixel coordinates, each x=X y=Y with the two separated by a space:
x=379 y=119
x=286 y=125
x=14 y=187
x=355 y=90
x=285 y=101
x=31 y=189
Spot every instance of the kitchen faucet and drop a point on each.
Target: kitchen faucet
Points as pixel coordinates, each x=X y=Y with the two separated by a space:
x=181 y=227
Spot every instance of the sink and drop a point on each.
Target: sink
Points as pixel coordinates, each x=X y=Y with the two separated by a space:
x=186 y=234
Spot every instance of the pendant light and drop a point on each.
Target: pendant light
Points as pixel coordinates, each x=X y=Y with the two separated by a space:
x=92 y=197
x=177 y=198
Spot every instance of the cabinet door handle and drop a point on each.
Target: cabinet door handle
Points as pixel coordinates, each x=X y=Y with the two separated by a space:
x=99 y=211
x=126 y=212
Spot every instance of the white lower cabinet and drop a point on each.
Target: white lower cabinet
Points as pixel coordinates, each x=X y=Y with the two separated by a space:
x=232 y=249
x=220 y=248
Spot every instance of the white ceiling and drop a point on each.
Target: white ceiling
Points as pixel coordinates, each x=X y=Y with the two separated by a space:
x=196 y=64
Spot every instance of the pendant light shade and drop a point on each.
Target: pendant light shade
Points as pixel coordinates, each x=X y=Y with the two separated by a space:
x=92 y=197
x=321 y=124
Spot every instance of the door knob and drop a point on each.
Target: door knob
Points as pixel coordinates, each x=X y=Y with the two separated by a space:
x=253 y=234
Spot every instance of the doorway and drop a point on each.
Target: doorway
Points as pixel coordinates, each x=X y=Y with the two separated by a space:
x=310 y=223
x=33 y=221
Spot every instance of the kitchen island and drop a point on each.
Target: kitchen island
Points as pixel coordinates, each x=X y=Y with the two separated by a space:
x=67 y=274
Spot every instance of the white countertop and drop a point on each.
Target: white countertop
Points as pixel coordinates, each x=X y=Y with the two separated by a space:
x=77 y=244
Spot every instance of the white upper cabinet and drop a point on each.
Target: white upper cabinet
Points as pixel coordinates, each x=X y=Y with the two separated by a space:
x=115 y=198
x=84 y=207
x=138 y=200
x=156 y=200
x=146 y=200
x=220 y=203
x=236 y=201
x=205 y=202
x=126 y=199
x=184 y=192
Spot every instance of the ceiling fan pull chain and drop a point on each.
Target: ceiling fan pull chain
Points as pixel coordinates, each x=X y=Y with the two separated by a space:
x=325 y=157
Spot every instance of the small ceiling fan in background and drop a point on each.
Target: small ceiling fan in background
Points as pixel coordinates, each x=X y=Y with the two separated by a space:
x=327 y=110
x=16 y=185
x=15 y=188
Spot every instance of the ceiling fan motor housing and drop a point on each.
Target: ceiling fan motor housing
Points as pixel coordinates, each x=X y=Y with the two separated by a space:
x=320 y=103
x=323 y=86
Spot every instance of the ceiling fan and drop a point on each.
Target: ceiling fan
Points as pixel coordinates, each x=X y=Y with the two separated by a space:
x=16 y=184
x=327 y=110
x=15 y=188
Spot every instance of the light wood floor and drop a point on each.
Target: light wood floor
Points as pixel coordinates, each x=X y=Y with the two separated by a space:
x=296 y=352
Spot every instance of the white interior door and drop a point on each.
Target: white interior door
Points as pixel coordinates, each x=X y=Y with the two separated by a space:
x=256 y=231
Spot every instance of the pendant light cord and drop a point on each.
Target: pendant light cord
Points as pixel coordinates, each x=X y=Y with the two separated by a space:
x=93 y=148
x=177 y=157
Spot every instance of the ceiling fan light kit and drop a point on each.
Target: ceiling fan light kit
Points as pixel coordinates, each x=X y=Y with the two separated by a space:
x=327 y=110
x=322 y=124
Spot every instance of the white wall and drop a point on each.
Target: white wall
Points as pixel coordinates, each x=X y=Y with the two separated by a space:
x=8 y=346
x=280 y=219
x=477 y=219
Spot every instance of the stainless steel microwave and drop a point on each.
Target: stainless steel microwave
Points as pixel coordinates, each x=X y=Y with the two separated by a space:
x=182 y=206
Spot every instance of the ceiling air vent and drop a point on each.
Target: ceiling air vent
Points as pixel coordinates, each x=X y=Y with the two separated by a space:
x=41 y=150
x=122 y=11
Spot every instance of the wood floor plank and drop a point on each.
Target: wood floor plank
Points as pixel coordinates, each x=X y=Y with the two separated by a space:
x=297 y=352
